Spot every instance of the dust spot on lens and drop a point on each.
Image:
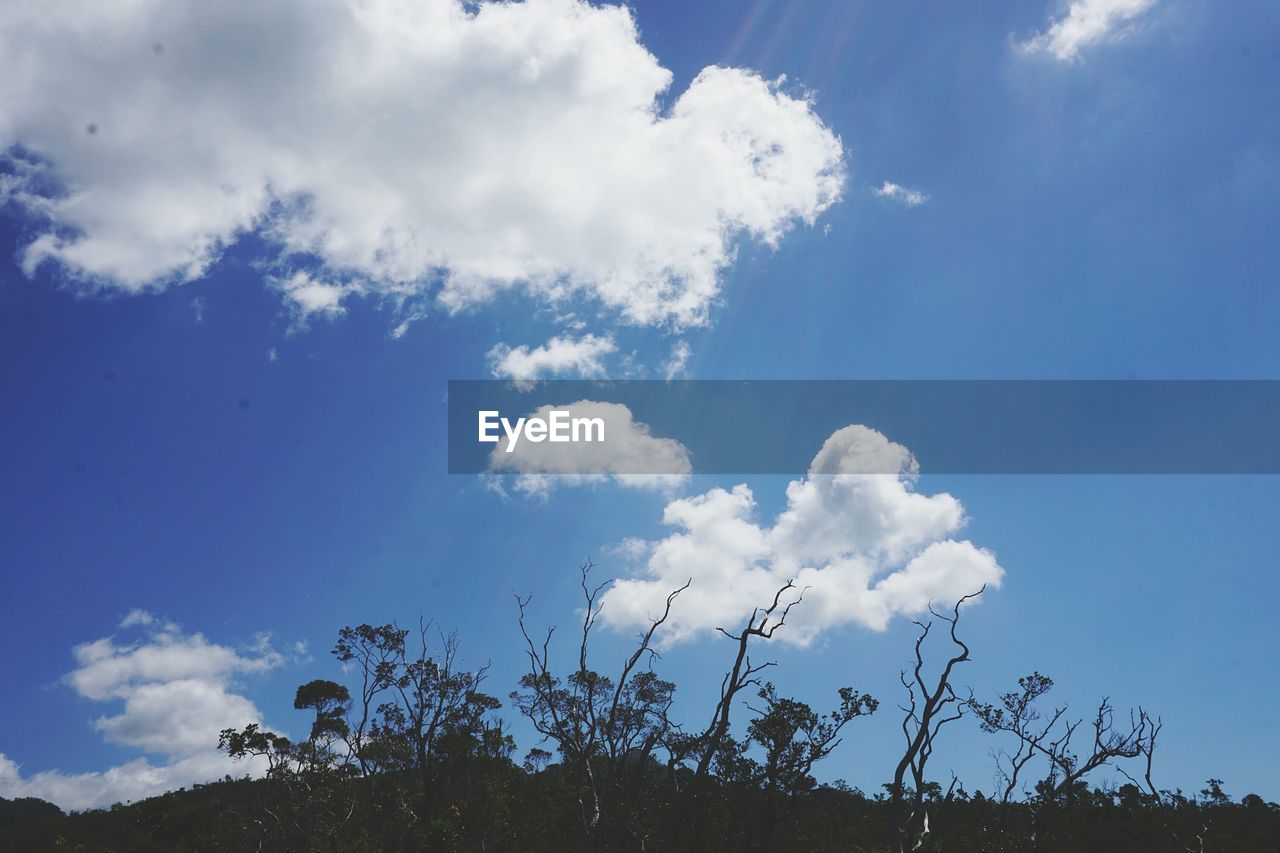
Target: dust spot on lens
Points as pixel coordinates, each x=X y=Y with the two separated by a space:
x=244 y=405
x=108 y=375
x=91 y=128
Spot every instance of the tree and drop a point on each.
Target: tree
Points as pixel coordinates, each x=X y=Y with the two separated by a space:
x=371 y=651
x=1049 y=737
x=794 y=739
x=598 y=723
x=928 y=709
x=316 y=804
x=331 y=703
x=742 y=673
x=1052 y=738
x=429 y=701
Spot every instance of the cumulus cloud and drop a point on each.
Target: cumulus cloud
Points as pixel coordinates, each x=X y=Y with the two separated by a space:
x=176 y=691
x=559 y=356
x=1086 y=22
x=864 y=546
x=898 y=193
x=307 y=296
x=442 y=150
x=630 y=455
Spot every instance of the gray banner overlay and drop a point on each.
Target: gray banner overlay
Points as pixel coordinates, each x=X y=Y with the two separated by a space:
x=951 y=426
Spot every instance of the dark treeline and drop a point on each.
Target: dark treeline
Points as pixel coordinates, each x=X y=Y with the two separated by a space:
x=412 y=754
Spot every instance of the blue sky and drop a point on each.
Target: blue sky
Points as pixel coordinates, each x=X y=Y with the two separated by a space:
x=210 y=447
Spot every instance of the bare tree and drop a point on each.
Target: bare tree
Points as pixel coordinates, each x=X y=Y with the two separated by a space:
x=928 y=709
x=1160 y=798
x=742 y=674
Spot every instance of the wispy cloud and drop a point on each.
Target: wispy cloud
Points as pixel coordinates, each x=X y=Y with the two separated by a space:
x=898 y=193
x=681 y=352
x=1086 y=22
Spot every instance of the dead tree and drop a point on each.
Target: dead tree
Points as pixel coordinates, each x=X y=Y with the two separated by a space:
x=742 y=674
x=1109 y=743
x=595 y=722
x=1159 y=798
x=928 y=709
x=1204 y=823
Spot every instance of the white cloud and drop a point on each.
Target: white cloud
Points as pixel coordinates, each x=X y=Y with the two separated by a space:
x=307 y=295
x=413 y=315
x=107 y=670
x=137 y=617
x=631 y=549
x=865 y=545
x=177 y=692
x=630 y=455
x=445 y=150
x=180 y=717
x=559 y=356
x=679 y=360
x=896 y=192
x=134 y=780
x=1086 y=22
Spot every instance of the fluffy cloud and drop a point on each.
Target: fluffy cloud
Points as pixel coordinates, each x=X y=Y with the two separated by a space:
x=1086 y=22
x=308 y=296
x=898 y=193
x=865 y=546
x=630 y=455
x=436 y=150
x=559 y=356
x=177 y=693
